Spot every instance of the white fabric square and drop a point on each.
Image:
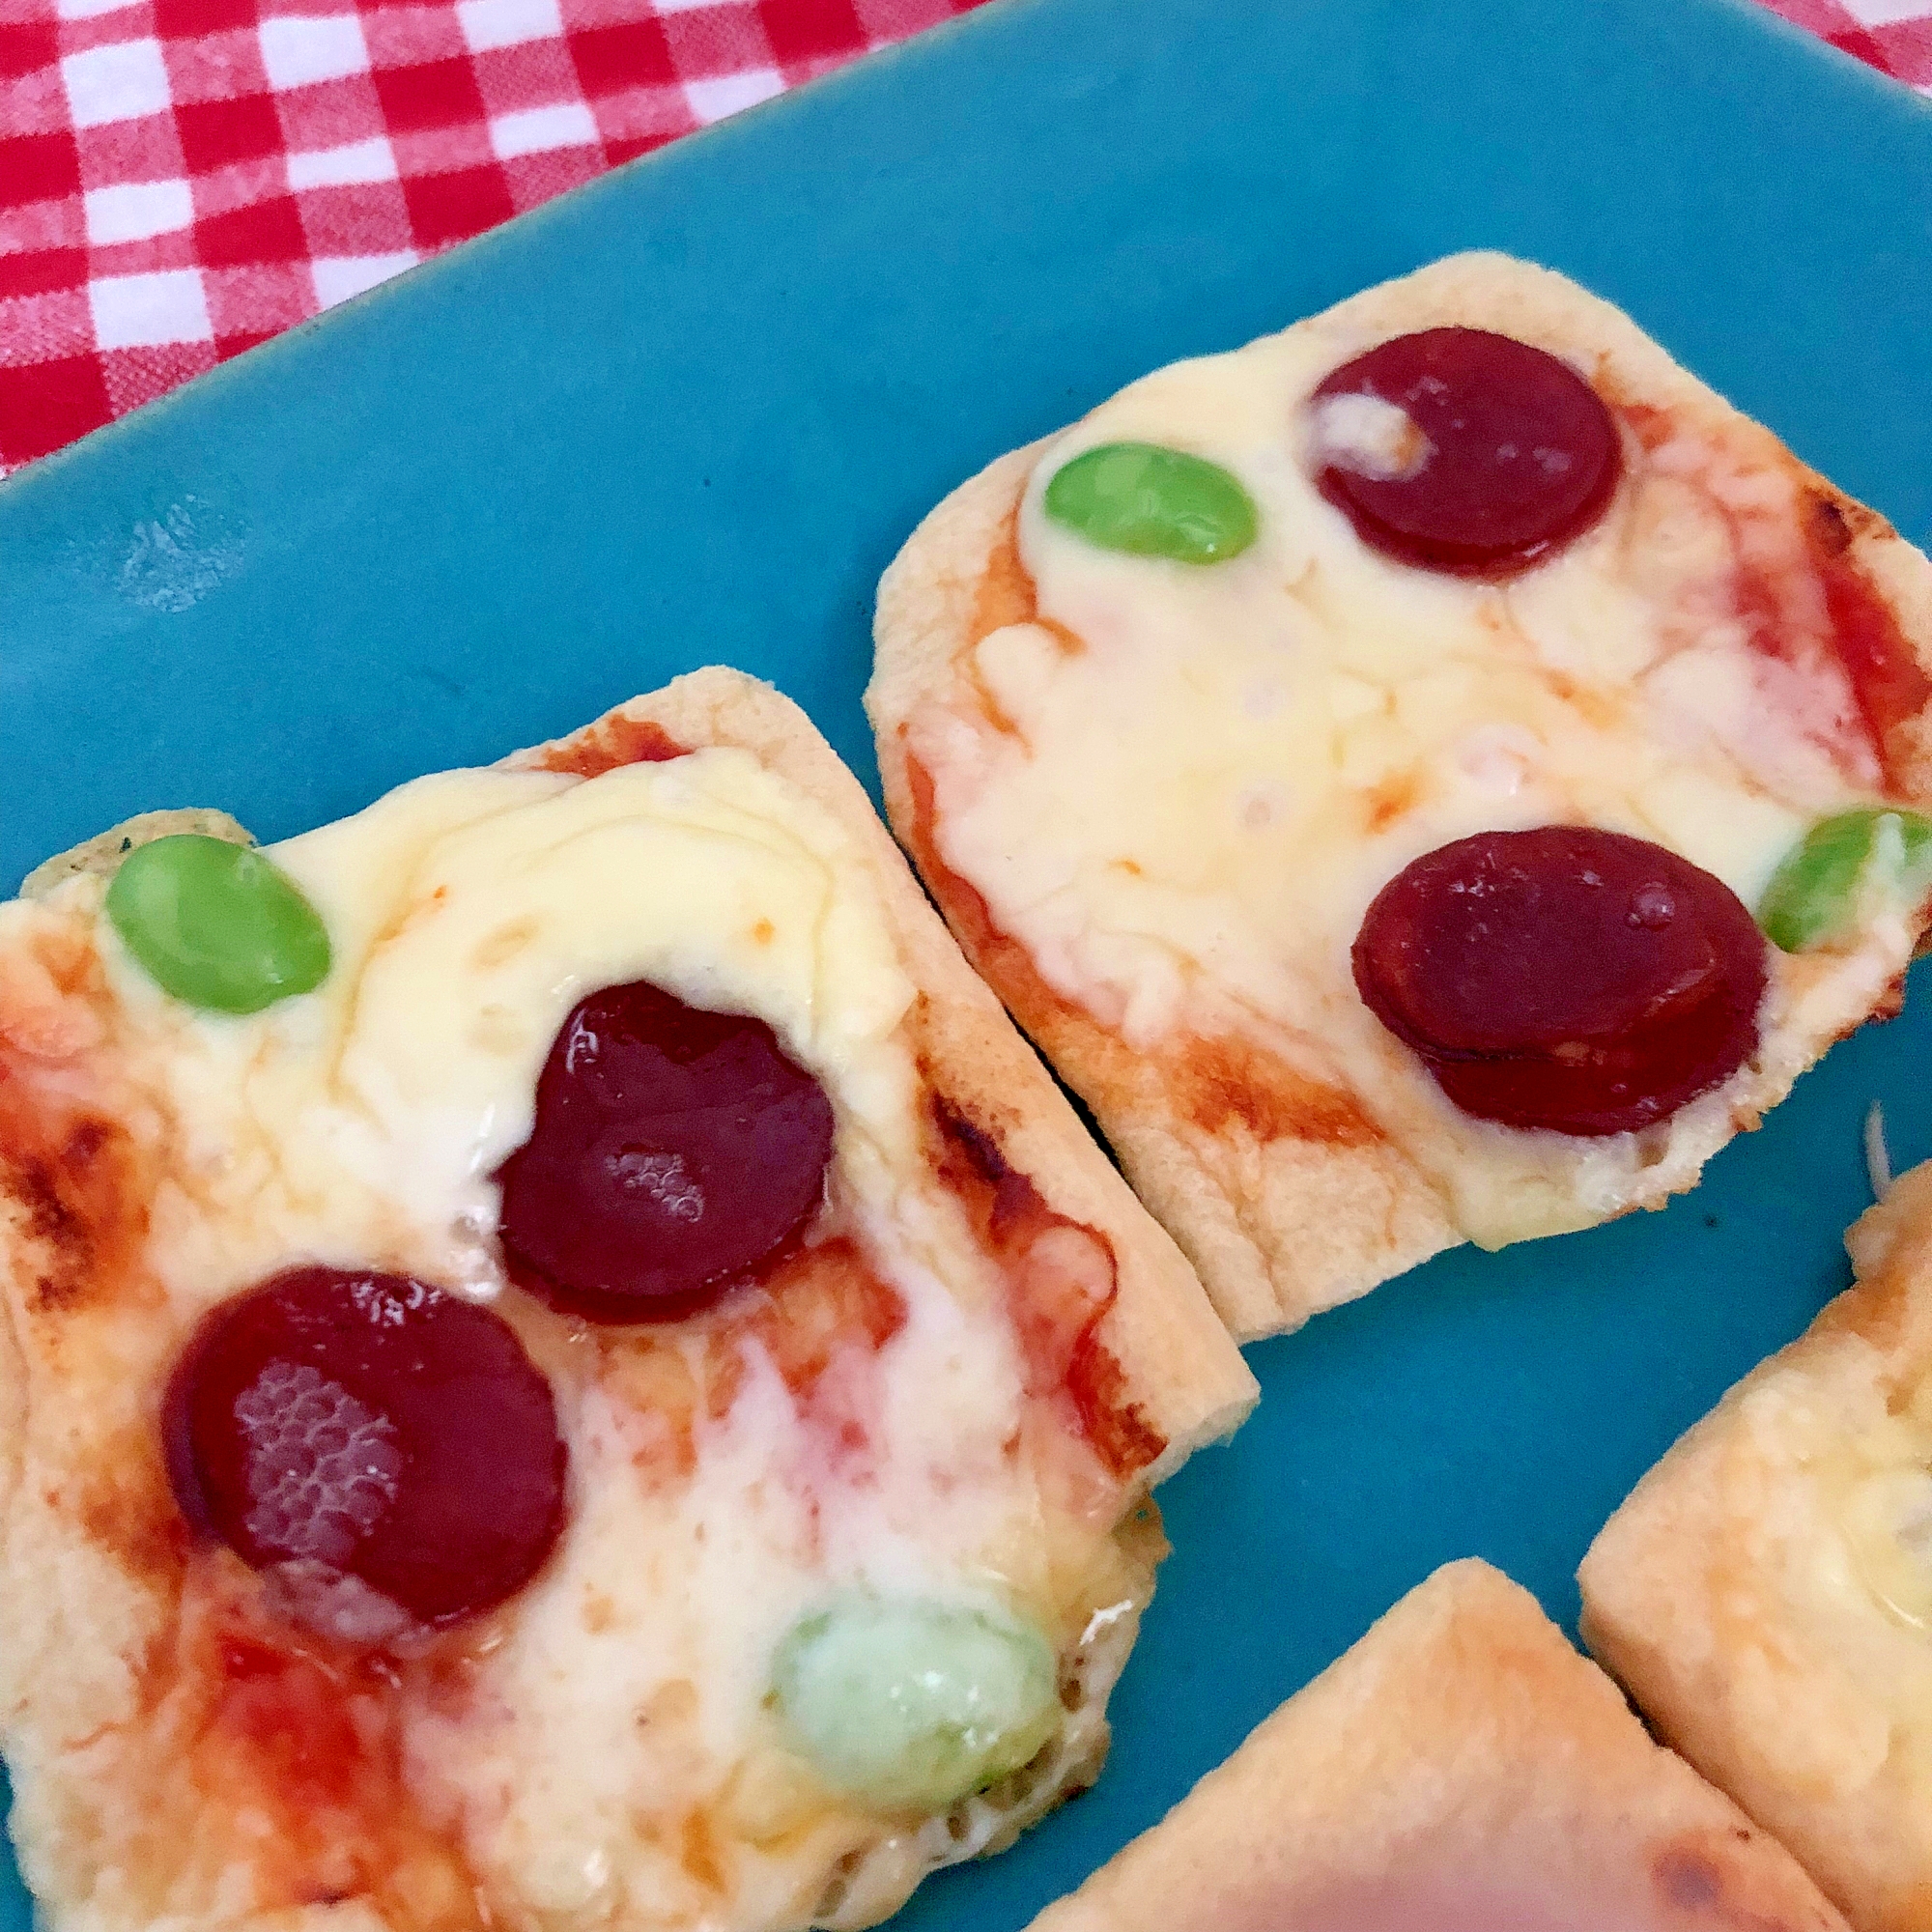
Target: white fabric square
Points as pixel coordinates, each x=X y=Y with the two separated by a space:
x=86 y=9
x=337 y=278
x=713 y=100
x=144 y=311
x=299 y=49
x=133 y=210
x=115 y=83
x=371 y=161
x=534 y=129
x=507 y=24
x=1883 y=13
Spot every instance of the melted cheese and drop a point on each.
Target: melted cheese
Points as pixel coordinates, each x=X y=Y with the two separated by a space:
x=621 y=1707
x=1180 y=790
x=1823 y=1580
x=468 y=913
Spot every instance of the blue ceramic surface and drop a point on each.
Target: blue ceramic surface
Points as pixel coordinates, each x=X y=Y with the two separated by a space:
x=688 y=413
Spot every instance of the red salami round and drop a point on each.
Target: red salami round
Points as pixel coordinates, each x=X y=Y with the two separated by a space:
x=331 y=1425
x=1565 y=977
x=1512 y=453
x=675 y=1153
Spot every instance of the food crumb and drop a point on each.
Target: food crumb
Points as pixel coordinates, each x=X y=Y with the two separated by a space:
x=1878 y=1156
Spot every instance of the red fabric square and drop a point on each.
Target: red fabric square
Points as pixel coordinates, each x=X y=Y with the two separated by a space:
x=367 y=218
x=146 y=149
x=609 y=59
x=330 y=114
x=1857 y=40
x=34 y=103
x=811 y=30
x=438 y=94
x=1908 y=49
x=410 y=36
x=895 y=20
x=137 y=376
x=241 y=183
x=712 y=41
x=534 y=73
x=443 y=151
x=44 y=405
x=192 y=19
x=269 y=231
x=646 y=115
x=34 y=271
x=577 y=14
x=258 y=300
x=624 y=151
x=222 y=67
x=42 y=225
x=450 y=207
x=45 y=328
x=533 y=178
x=215 y=132
x=27 y=47
x=37 y=167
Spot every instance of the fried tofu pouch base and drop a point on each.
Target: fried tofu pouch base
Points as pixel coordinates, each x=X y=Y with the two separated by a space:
x=1459 y=1769
x=1298 y=1153
x=121 y=1823
x=1766 y=1592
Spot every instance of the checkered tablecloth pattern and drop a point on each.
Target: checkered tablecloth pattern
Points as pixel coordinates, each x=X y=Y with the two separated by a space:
x=181 y=179
x=1894 y=36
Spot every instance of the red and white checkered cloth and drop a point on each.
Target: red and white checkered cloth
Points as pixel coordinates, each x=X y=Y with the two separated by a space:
x=179 y=179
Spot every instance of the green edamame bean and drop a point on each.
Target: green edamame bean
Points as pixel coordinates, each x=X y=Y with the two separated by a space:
x=914 y=1703
x=1814 y=891
x=217 y=924
x=1149 y=502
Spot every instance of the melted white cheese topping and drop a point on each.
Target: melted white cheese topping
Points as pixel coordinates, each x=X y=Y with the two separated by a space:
x=1188 y=817
x=468 y=913
x=358 y=1125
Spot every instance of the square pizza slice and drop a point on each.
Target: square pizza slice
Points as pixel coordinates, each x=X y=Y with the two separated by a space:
x=1432 y=774
x=562 y=1365
x=1459 y=1769
x=1766 y=1592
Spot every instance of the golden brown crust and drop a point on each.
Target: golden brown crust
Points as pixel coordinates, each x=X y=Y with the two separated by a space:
x=1460 y=1767
x=103 y=853
x=1284 y=1217
x=1177 y=1363
x=1736 y=1597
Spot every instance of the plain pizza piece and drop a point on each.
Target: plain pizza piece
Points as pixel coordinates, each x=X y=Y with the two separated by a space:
x=563 y=1365
x=1459 y=1769
x=1766 y=1592
x=1363 y=762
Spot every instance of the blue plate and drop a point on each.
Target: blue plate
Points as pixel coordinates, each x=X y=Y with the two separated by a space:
x=687 y=414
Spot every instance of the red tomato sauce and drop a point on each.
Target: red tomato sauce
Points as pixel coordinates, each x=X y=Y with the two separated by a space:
x=1210 y=1083
x=1055 y=1314
x=610 y=742
x=1888 y=684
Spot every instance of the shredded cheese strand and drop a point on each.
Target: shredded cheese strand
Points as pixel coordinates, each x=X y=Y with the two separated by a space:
x=1878 y=1157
